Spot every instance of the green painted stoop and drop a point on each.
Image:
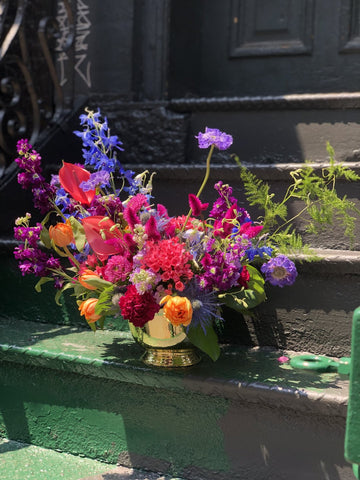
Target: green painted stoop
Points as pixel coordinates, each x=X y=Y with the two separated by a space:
x=20 y=461
x=244 y=417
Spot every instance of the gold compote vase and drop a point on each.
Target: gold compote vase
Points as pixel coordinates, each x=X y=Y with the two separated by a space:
x=165 y=345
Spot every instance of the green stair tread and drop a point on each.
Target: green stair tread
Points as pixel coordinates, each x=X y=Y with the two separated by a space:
x=20 y=461
x=239 y=373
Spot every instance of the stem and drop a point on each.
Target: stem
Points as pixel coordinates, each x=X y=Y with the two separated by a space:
x=70 y=255
x=206 y=178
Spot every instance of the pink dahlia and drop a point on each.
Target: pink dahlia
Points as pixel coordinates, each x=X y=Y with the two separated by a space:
x=117 y=269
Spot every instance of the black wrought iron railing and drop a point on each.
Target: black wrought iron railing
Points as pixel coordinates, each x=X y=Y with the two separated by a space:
x=36 y=41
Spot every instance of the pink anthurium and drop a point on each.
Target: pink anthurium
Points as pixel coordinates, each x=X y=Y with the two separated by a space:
x=196 y=206
x=70 y=177
x=103 y=239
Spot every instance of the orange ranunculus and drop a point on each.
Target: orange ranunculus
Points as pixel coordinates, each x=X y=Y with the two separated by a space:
x=71 y=176
x=87 y=308
x=61 y=234
x=177 y=310
x=87 y=274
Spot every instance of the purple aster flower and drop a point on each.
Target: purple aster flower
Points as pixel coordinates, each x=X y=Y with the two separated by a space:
x=213 y=136
x=280 y=271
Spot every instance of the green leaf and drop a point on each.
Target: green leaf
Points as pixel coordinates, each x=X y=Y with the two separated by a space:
x=41 y=282
x=98 y=283
x=59 y=293
x=246 y=298
x=45 y=237
x=208 y=342
x=57 y=250
x=92 y=326
x=104 y=304
x=78 y=232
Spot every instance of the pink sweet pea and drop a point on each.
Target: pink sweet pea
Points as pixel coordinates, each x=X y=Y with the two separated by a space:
x=70 y=177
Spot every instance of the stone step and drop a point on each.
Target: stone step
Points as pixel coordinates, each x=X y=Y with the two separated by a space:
x=246 y=416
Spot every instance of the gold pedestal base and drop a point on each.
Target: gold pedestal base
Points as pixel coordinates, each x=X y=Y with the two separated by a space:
x=180 y=357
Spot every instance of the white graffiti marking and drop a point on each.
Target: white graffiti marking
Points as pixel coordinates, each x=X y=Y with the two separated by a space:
x=83 y=26
x=82 y=31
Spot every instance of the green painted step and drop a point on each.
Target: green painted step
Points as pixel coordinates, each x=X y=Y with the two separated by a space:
x=20 y=461
x=245 y=416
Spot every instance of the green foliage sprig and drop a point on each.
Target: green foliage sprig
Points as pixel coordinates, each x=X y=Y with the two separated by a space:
x=321 y=204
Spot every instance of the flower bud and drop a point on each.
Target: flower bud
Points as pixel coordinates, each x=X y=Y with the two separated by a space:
x=61 y=234
x=87 y=308
x=87 y=274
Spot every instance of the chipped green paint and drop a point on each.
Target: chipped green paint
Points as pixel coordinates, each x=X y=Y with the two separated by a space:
x=19 y=461
x=352 y=438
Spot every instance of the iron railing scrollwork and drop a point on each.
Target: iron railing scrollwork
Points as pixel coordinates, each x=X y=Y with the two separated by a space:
x=31 y=97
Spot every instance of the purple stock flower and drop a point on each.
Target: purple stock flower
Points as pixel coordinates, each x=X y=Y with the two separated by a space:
x=213 y=136
x=279 y=271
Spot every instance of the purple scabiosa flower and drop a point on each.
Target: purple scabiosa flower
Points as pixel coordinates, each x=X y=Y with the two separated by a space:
x=101 y=178
x=213 y=136
x=279 y=271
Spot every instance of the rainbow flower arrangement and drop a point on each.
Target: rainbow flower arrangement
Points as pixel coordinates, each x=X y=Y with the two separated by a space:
x=104 y=238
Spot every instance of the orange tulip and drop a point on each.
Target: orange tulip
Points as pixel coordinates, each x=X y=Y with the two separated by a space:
x=87 y=308
x=61 y=234
x=87 y=274
x=177 y=310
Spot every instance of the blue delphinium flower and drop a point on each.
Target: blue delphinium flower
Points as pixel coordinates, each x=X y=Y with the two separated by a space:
x=253 y=251
x=100 y=147
x=279 y=271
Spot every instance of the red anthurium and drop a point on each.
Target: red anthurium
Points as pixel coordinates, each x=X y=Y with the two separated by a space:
x=196 y=206
x=102 y=240
x=70 y=177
